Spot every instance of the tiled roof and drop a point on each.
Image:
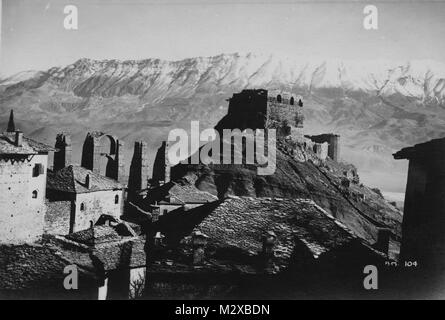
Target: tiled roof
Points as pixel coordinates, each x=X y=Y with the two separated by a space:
x=73 y=179
x=124 y=254
x=239 y=223
x=421 y=149
x=29 y=146
x=112 y=247
x=30 y=266
x=180 y=193
x=96 y=235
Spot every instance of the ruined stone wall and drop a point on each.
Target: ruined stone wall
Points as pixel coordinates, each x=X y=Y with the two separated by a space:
x=332 y=140
x=93 y=151
x=138 y=170
x=63 y=157
x=282 y=113
x=21 y=215
x=96 y=204
x=161 y=166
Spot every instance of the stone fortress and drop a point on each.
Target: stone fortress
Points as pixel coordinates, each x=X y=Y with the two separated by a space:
x=280 y=110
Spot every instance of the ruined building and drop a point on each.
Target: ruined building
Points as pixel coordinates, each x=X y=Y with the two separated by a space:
x=259 y=109
x=92 y=154
x=79 y=196
x=139 y=169
x=423 y=236
x=283 y=111
x=161 y=166
x=62 y=158
x=333 y=144
x=23 y=165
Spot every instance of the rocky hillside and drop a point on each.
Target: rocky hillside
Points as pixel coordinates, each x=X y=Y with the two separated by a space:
x=300 y=174
x=376 y=106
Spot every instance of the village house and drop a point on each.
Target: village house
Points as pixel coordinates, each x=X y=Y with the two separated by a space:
x=423 y=237
x=77 y=197
x=109 y=259
x=23 y=175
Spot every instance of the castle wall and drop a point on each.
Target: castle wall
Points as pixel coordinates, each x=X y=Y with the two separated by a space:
x=96 y=204
x=21 y=215
x=279 y=113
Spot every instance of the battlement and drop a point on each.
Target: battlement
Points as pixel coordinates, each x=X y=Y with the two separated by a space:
x=284 y=98
x=260 y=108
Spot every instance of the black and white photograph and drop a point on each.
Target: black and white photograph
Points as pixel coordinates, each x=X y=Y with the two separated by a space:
x=220 y=150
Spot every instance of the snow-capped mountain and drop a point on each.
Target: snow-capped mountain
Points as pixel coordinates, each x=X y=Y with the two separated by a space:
x=419 y=78
x=377 y=106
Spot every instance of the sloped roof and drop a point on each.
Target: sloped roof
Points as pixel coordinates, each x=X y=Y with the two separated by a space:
x=112 y=247
x=187 y=193
x=241 y=222
x=95 y=235
x=179 y=193
x=30 y=266
x=29 y=146
x=236 y=226
x=124 y=254
x=425 y=149
x=73 y=179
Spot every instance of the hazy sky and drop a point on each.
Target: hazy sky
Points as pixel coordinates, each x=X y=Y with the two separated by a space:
x=33 y=36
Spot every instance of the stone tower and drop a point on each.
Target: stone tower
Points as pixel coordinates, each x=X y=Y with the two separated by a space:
x=62 y=158
x=161 y=167
x=139 y=167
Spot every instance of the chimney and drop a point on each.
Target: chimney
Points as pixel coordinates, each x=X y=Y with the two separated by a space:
x=269 y=240
x=383 y=238
x=18 y=138
x=158 y=239
x=155 y=213
x=62 y=158
x=88 y=181
x=199 y=241
x=267 y=255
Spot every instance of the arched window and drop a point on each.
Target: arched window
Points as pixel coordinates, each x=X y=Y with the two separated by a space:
x=300 y=103
x=116 y=199
x=34 y=194
x=82 y=206
x=279 y=98
x=292 y=101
